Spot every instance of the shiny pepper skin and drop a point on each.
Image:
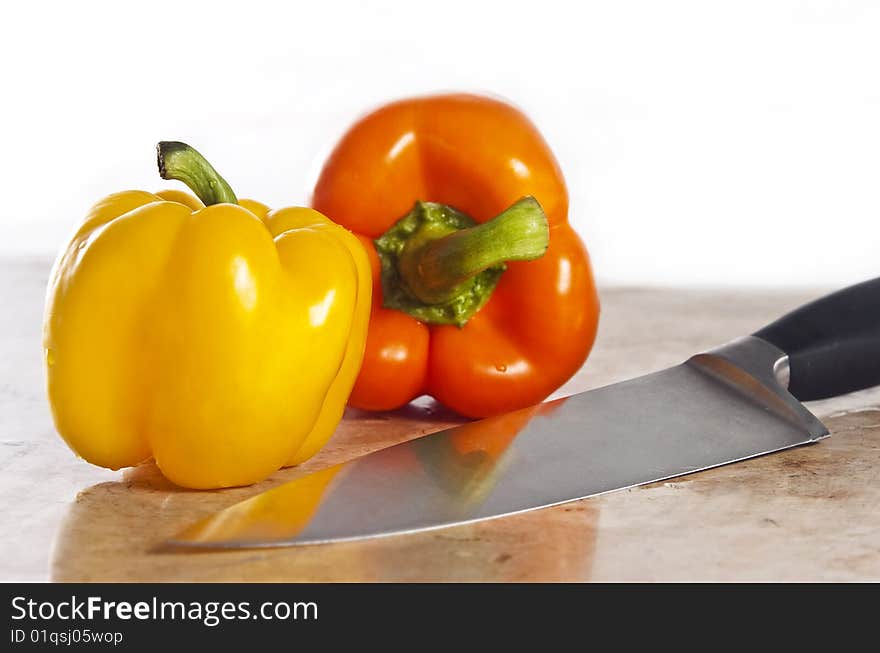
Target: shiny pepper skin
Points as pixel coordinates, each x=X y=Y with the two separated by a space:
x=478 y=155
x=222 y=341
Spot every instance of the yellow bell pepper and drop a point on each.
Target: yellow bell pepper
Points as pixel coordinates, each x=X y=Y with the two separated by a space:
x=222 y=339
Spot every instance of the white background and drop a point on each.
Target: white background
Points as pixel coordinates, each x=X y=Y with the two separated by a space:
x=723 y=143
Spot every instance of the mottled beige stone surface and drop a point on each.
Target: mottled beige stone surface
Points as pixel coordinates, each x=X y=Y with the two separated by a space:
x=805 y=514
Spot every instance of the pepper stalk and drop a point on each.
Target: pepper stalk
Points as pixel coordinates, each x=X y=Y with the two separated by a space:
x=181 y=162
x=441 y=267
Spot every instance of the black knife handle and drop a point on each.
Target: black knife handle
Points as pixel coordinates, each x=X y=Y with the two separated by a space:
x=833 y=343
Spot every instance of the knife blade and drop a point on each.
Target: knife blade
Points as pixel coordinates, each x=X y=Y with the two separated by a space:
x=735 y=402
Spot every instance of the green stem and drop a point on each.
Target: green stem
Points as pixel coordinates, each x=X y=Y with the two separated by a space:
x=434 y=270
x=183 y=163
x=441 y=267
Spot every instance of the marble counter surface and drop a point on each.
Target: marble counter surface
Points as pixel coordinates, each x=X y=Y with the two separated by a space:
x=805 y=514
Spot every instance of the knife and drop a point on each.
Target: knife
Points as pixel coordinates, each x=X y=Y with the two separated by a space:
x=737 y=401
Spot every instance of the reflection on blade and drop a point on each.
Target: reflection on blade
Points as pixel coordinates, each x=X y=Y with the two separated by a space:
x=468 y=461
x=277 y=515
x=684 y=419
x=463 y=465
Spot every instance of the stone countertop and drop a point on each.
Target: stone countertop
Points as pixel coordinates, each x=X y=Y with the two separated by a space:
x=808 y=513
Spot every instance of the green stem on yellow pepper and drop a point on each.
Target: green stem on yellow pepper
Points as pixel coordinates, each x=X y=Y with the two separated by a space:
x=181 y=162
x=441 y=267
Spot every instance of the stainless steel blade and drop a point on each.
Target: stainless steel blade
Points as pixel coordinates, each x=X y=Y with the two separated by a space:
x=716 y=408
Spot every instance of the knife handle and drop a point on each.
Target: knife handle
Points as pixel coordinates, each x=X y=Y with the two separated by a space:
x=833 y=343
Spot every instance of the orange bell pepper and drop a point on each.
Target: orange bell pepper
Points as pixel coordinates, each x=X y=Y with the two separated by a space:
x=487 y=318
